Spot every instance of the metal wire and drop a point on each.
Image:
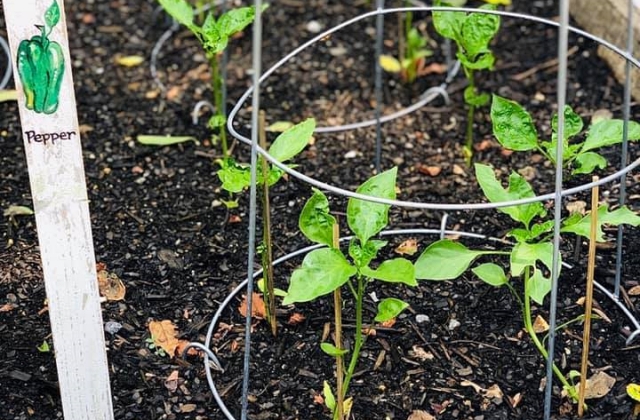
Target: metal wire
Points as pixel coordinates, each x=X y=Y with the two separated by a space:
x=410 y=204
x=7 y=73
x=625 y=137
x=378 y=83
x=255 y=132
x=437 y=232
x=563 y=46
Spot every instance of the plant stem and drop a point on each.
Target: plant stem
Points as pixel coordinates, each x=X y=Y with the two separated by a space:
x=359 y=339
x=337 y=308
x=218 y=85
x=528 y=325
x=267 y=254
x=468 y=144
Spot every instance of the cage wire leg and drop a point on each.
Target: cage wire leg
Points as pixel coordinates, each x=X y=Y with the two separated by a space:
x=563 y=41
x=378 y=82
x=624 y=153
x=7 y=73
x=255 y=102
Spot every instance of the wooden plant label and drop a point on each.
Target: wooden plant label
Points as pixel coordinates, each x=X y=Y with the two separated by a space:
x=40 y=56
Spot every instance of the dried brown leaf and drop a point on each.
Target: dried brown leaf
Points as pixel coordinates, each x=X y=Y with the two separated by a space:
x=420 y=415
x=296 y=318
x=598 y=385
x=258 y=310
x=540 y=325
x=164 y=335
x=171 y=383
x=7 y=307
x=634 y=291
x=109 y=284
x=408 y=247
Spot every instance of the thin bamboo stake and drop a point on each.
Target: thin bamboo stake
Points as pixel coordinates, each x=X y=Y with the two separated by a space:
x=267 y=255
x=588 y=304
x=337 y=303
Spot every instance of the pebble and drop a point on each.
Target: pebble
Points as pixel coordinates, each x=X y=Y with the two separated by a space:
x=314 y=26
x=453 y=324
x=421 y=318
x=351 y=154
x=112 y=327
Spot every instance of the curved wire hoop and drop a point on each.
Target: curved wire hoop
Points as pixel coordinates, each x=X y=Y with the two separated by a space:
x=7 y=73
x=411 y=204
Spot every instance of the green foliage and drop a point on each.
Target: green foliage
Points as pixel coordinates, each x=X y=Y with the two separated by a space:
x=513 y=127
x=153 y=140
x=531 y=258
x=472 y=33
x=326 y=270
x=410 y=62
x=236 y=177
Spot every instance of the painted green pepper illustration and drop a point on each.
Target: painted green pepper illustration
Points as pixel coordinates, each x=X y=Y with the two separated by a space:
x=41 y=66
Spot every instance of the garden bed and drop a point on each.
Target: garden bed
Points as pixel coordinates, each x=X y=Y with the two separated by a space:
x=160 y=225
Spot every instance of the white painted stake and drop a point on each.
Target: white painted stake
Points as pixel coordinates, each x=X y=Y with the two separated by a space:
x=38 y=38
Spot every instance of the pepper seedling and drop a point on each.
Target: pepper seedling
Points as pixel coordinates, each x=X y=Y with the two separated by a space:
x=530 y=258
x=514 y=129
x=472 y=33
x=412 y=51
x=214 y=35
x=236 y=177
x=326 y=270
x=40 y=64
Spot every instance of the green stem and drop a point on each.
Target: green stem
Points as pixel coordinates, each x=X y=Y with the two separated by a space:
x=468 y=144
x=218 y=85
x=359 y=339
x=528 y=325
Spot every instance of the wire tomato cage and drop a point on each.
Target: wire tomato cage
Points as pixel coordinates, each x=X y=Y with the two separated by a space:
x=563 y=28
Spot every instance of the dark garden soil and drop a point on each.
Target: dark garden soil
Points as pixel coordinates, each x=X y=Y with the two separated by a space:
x=159 y=224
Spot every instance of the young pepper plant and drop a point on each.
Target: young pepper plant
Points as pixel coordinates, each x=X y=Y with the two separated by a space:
x=514 y=129
x=327 y=269
x=530 y=258
x=472 y=33
x=213 y=35
x=236 y=177
x=412 y=51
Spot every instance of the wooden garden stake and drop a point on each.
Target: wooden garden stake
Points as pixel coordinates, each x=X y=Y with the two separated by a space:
x=588 y=303
x=337 y=303
x=267 y=255
x=37 y=35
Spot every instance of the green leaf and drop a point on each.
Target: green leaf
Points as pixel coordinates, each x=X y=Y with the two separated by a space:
x=397 y=270
x=539 y=286
x=483 y=61
x=8 y=95
x=491 y=274
x=277 y=292
x=332 y=350
x=582 y=225
x=472 y=98
x=572 y=123
x=445 y=260
x=477 y=31
x=609 y=132
x=526 y=255
x=180 y=10
x=44 y=347
x=234 y=177
x=512 y=125
x=366 y=218
x=153 y=140
x=329 y=399
x=525 y=235
x=448 y=24
x=292 y=141
x=587 y=162
x=216 y=121
x=389 y=64
x=236 y=19
x=362 y=256
x=51 y=16
x=390 y=308
x=213 y=41
x=322 y=271
x=518 y=188
x=315 y=221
